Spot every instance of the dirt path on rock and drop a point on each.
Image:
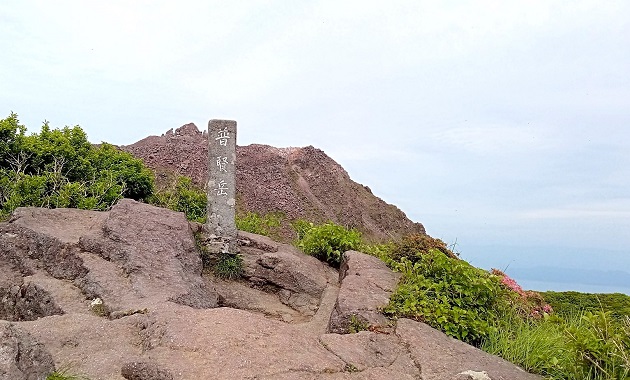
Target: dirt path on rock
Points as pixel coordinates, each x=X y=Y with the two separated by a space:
x=319 y=323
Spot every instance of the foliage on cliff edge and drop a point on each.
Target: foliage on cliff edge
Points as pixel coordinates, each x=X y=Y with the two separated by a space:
x=60 y=168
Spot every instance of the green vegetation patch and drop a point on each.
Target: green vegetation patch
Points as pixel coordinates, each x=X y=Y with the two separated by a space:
x=182 y=195
x=584 y=346
x=327 y=241
x=229 y=266
x=450 y=295
x=571 y=303
x=60 y=168
x=267 y=225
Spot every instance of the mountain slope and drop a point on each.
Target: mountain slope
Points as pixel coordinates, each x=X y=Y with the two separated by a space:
x=299 y=182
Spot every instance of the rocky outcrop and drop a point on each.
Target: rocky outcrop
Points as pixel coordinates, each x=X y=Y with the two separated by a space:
x=444 y=358
x=21 y=356
x=153 y=316
x=25 y=302
x=366 y=284
x=130 y=257
x=299 y=182
x=298 y=279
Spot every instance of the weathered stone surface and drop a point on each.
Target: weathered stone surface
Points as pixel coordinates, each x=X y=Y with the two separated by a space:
x=152 y=253
x=48 y=238
x=298 y=279
x=138 y=259
x=232 y=344
x=259 y=242
x=21 y=356
x=370 y=350
x=222 y=180
x=366 y=284
x=25 y=301
x=140 y=370
x=444 y=358
x=130 y=257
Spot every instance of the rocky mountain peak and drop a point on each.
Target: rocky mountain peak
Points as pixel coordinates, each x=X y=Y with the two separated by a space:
x=301 y=183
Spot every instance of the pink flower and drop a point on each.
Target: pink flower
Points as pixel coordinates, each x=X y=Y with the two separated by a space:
x=547 y=309
x=511 y=284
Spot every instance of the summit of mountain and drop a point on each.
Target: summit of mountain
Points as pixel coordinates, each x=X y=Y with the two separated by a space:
x=301 y=183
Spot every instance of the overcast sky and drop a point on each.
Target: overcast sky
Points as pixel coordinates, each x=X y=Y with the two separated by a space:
x=502 y=125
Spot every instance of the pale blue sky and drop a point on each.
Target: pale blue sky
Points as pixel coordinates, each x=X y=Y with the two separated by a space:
x=503 y=125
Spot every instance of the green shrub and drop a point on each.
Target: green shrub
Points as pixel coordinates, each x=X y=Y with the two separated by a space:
x=229 y=267
x=450 y=295
x=601 y=346
x=182 y=195
x=301 y=226
x=328 y=242
x=357 y=324
x=588 y=346
x=570 y=303
x=60 y=168
x=383 y=251
x=267 y=225
x=415 y=245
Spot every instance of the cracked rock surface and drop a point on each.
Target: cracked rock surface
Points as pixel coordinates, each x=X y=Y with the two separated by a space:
x=160 y=317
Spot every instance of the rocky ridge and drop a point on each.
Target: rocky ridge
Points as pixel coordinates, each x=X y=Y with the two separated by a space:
x=122 y=295
x=299 y=182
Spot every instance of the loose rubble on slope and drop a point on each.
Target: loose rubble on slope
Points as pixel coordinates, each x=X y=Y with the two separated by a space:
x=161 y=317
x=301 y=183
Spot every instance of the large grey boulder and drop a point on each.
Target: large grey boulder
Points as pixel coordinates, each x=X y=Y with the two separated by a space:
x=366 y=285
x=155 y=248
x=21 y=356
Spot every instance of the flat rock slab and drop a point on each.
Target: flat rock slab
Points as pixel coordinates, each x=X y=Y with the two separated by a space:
x=444 y=358
x=366 y=350
x=366 y=285
x=232 y=344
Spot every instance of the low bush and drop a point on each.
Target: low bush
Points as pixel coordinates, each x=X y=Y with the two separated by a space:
x=450 y=295
x=587 y=346
x=61 y=168
x=182 y=195
x=415 y=245
x=328 y=241
x=229 y=266
x=570 y=303
x=267 y=225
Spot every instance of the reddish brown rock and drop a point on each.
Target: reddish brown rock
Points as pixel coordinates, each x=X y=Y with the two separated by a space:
x=366 y=284
x=444 y=358
x=21 y=356
x=141 y=260
x=299 y=182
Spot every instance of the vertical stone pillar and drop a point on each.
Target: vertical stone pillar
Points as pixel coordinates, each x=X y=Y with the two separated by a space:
x=222 y=183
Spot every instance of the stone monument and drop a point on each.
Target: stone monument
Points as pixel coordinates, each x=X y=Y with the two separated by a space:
x=222 y=185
